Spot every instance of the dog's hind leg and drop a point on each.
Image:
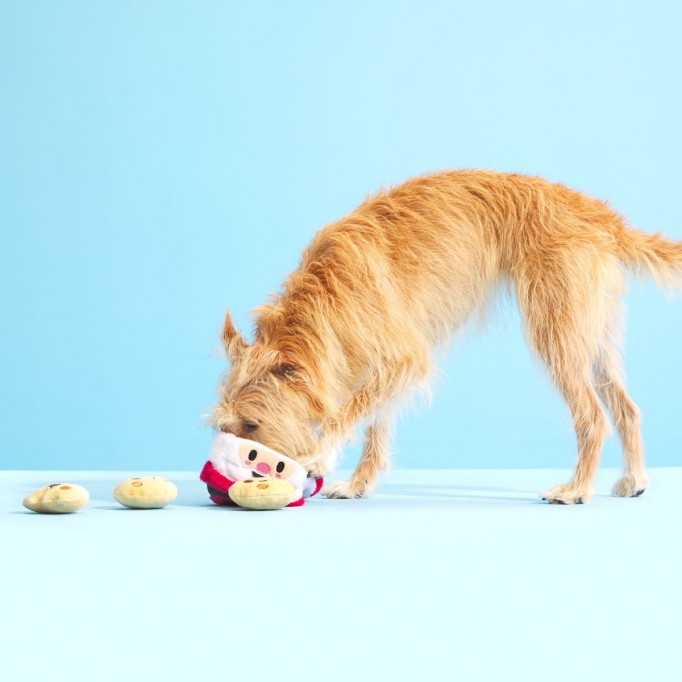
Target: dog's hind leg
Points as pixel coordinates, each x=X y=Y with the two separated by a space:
x=591 y=427
x=564 y=316
x=625 y=415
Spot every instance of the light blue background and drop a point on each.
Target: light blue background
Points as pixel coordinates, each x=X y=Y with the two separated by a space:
x=160 y=161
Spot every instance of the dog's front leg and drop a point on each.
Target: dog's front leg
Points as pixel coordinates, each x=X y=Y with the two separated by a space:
x=374 y=458
x=373 y=400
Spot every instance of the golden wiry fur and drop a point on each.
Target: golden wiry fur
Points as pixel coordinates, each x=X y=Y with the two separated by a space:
x=355 y=325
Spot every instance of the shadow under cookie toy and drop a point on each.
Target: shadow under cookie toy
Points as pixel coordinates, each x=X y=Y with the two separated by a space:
x=234 y=461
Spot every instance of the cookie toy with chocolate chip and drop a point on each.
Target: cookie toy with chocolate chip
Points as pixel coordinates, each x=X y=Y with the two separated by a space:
x=57 y=498
x=262 y=494
x=147 y=492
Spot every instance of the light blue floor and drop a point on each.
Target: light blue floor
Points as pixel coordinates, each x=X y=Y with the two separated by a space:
x=454 y=575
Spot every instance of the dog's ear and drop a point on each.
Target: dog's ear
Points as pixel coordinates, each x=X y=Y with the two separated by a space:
x=234 y=342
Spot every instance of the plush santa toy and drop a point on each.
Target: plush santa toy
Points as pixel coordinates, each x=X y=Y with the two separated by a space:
x=247 y=473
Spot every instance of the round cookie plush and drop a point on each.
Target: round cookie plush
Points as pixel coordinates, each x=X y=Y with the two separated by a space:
x=57 y=498
x=262 y=494
x=147 y=492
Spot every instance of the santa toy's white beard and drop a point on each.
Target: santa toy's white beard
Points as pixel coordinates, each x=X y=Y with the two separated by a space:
x=227 y=457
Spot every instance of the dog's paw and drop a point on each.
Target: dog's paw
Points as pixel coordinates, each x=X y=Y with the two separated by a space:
x=342 y=490
x=629 y=486
x=566 y=494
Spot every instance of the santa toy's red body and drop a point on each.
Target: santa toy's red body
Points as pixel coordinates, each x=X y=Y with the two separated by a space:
x=234 y=459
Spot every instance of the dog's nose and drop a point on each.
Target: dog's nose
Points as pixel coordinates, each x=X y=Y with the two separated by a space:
x=263 y=468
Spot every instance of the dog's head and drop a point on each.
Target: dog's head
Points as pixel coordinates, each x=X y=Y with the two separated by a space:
x=268 y=396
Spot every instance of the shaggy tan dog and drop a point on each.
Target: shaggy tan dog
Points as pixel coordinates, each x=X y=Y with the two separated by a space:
x=355 y=325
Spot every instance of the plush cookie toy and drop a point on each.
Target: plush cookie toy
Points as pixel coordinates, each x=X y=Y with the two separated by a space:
x=262 y=493
x=247 y=464
x=147 y=492
x=57 y=498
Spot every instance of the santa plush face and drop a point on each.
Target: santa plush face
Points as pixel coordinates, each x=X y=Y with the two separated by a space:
x=262 y=462
x=238 y=459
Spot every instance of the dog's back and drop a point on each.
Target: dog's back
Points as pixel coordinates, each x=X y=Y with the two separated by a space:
x=433 y=246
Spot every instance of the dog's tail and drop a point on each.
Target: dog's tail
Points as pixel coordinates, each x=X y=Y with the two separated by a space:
x=653 y=255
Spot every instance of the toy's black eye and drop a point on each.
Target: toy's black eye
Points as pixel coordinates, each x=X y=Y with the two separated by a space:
x=250 y=426
x=280 y=467
x=252 y=455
